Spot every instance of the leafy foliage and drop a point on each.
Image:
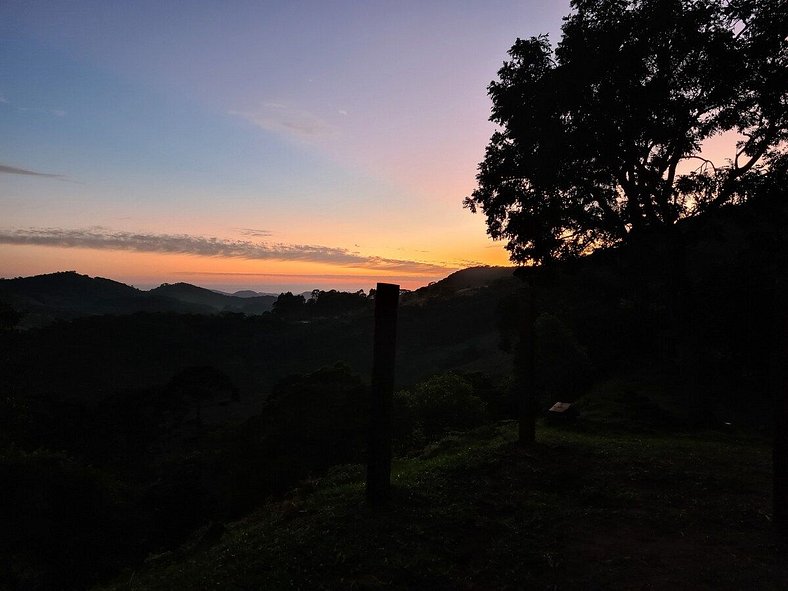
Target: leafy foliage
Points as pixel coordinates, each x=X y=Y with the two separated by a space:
x=602 y=137
x=442 y=403
x=313 y=421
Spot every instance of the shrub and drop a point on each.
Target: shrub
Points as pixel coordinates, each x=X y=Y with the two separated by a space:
x=443 y=403
x=316 y=420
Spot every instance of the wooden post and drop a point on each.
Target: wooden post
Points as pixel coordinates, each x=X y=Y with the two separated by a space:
x=379 y=452
x=526 y=369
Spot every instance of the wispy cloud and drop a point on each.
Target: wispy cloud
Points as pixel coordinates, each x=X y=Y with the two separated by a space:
x=288 y=121
x=254 y=232
x=4 y=168
x=105 y=239
x=52 y=112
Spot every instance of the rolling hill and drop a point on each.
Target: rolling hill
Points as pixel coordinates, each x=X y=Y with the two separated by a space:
x=185 y=292
x=66 y=295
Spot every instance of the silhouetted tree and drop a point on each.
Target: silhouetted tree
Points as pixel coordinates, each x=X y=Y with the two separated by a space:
x=336 y=303
x=599 y=139
x=289 y=305
x=315 y=420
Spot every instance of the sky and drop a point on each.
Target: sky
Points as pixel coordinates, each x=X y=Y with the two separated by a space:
x=250 y=145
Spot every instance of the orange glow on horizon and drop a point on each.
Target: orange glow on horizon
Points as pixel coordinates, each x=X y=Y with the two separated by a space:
x=148 y=269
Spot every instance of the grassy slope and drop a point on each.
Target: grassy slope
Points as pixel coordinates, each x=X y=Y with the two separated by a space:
x=576 y=511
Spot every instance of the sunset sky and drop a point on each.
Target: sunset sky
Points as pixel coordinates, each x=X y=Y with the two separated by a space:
x=264 y=145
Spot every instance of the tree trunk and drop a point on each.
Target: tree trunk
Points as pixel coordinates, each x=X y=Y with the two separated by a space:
x=780 y=397
x=525 y=368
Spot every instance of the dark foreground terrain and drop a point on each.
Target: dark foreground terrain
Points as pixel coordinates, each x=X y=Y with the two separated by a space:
x=582 y=509
x=162 y=450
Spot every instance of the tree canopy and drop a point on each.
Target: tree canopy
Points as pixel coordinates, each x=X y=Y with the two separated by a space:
x=603 y=136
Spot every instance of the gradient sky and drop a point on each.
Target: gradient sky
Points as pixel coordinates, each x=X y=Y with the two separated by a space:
x=264 y=145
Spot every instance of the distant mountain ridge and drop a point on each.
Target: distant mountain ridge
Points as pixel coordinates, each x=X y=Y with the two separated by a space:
x=248 y=293
x=186 y=292
x=464 y=282
x=68 y=294
x=473 y=278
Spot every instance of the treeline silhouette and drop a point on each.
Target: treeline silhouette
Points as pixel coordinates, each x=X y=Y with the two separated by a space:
x=322 y=304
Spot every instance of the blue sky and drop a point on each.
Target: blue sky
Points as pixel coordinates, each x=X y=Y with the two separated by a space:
x=311 y=139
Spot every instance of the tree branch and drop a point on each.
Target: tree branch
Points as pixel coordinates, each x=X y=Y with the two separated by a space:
x=704 y=160
x=728 y=185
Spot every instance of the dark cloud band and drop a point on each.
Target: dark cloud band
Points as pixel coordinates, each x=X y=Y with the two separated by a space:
x=4 y=168
x=101 y=239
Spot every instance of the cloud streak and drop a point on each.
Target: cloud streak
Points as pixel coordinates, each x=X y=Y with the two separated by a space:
x=4 y=168
x=104 y=239
x=305 y=275
x=288 y=121
x=254 y=232
x=52 y=112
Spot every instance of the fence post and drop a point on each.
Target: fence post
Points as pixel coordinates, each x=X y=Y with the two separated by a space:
x=379 y=451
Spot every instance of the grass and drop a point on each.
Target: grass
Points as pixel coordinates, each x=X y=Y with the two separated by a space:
x=578 y=510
